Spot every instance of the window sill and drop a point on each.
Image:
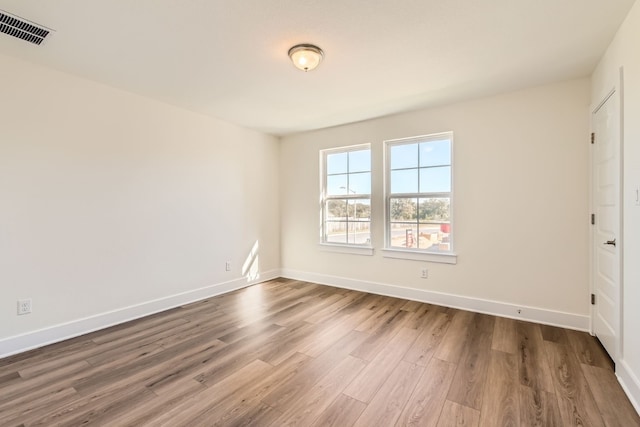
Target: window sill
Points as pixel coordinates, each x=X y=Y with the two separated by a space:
x=448 y=258
x=346 y=249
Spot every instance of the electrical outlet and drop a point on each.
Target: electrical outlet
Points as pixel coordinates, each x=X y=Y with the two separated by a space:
x=227 y=266
x=424 y=273
x=24 y=306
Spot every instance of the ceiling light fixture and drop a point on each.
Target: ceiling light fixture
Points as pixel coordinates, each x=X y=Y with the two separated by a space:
x=306 y=57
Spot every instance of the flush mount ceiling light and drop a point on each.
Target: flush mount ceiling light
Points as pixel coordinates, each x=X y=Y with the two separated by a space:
x=306 y=56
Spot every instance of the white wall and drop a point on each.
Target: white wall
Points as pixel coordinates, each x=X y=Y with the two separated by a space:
x=113 y=205
x=624 y=53
x=521 y=206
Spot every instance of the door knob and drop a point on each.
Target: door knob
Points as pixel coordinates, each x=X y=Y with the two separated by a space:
x=610 y=242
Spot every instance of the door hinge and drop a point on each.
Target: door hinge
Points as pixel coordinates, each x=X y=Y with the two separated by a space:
x=593 y=219
x=593 y=299
x=593 y=137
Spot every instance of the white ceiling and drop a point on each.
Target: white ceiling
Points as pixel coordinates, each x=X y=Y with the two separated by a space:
x=228 y=58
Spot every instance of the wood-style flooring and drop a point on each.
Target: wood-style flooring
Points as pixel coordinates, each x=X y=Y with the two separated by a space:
x=293 y=353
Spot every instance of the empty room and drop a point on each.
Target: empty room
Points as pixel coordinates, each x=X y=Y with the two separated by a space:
x=319 y=213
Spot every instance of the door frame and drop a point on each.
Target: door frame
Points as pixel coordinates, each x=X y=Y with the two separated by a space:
x=617 y=95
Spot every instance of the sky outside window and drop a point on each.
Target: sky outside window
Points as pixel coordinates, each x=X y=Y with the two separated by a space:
x=349 y=173
x=421 y=167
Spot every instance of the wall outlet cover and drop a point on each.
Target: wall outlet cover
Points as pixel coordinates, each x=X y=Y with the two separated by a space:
x=24 y=306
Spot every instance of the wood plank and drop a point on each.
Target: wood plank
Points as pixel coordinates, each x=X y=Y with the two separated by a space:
x=362 y=302
x=35 y=409
x=452 y=345
x=366 y=385
x=255 y=329
x=10 y=379
x=95 y=407
x=371 y=302
x=334 y=331
x=287 y=392
x=246 y=402
x=259 y=313
x=500 y=402
x=295 y=313
x=236 y=355
x=309 y=405
x=533 y=366
x=109 y=406
x=312 y=305
x=186 y=365
x=55 y=363
x=148 y=369
x=49 y=398
x=589 y=350
x=468 y=383
x=327 y=312
x=180 y=392
x=430 y=337
x=137 y=331
x=258 y=416
x=538 y=408
x=215 y=327
x=504 y=336
x=421 y=316
x=614 y=405
x=554 y=334
x=287 y=343
x=65 y=350
x=575 y=401
x=380 y=337
x=412 y=306
x=40 y=385
x=344 y=411
x=121 y=356
x=381 y=316
x=424 y=406
x=456 y=415
x=191 y=409
x=387 y=404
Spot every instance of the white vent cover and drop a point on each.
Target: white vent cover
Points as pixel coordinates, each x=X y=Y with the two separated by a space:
x=21 y=29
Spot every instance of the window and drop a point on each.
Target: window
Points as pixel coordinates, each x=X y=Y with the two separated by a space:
x=346 y=196
x=418 y=194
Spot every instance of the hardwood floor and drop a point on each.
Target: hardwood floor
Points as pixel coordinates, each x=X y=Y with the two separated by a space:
x=292 y=353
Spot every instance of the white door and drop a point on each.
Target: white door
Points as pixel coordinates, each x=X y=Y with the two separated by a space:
x=606 y=230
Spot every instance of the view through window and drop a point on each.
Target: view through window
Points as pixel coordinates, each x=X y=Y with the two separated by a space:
x=418 y=194
x=346 y=204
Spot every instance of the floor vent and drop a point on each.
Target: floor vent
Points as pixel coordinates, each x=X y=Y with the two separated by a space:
x=21 y=29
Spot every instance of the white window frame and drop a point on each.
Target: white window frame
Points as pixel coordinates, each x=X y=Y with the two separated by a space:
x=449 y=256
x=348 y=248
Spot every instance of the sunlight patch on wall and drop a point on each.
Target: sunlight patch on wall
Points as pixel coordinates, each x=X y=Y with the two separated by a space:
x=251 y=266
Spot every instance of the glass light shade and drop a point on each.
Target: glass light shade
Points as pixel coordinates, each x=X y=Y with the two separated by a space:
x=306 y=56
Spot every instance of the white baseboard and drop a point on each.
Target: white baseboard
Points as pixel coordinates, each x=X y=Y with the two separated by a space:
x=30 y=340
x=497 y=308
x=629 y=382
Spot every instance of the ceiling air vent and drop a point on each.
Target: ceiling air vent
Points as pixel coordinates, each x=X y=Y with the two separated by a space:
x=21 y=29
